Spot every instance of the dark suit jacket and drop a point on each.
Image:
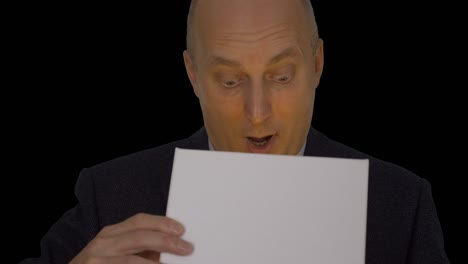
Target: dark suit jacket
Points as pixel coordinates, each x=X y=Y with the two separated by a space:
x=402 y=224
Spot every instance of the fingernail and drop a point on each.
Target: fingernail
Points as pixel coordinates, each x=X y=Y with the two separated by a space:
x=177 y=228
x=184 y=246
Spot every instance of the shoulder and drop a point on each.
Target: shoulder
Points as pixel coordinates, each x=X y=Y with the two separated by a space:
x=394 y=196
x=137 y=182
x=134 y=183
x=383 y=175
x=148 y=160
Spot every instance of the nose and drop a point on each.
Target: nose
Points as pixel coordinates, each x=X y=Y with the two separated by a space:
x=257 y=102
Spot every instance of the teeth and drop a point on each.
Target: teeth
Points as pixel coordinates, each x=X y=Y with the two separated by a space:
x=259 y=144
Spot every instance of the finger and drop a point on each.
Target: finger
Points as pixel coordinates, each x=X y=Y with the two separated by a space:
x=133 y=259
x=145 y=221
x=138 y=241
x=151 y=255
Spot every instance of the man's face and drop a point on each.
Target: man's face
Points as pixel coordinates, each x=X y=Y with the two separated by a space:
x=255 y=70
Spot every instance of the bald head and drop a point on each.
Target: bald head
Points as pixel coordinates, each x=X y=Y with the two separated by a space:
x=254 y=66
x=301 y=9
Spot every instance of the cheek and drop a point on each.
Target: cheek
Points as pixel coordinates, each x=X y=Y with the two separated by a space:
x=224 y=110
x=295 y=102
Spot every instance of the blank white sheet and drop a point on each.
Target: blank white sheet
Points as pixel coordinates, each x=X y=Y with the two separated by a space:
x=259 y=208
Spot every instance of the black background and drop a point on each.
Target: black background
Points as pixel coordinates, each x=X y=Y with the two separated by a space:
x=88 y=83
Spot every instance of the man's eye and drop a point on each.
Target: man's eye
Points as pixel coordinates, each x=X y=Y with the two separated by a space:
x=283 y=78
x=230 y=83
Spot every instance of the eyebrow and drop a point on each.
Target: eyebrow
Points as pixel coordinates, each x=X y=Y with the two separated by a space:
x=286 y=53
x=218 y=60
x=290 y=52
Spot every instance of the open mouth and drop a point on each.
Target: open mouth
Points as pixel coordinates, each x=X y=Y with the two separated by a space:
x=260 y=144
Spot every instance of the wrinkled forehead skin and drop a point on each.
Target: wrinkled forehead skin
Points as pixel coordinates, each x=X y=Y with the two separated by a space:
x=214 y=22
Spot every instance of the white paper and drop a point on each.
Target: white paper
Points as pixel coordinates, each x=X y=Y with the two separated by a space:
x=259 y=208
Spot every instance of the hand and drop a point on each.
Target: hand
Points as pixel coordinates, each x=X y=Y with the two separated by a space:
x=139 y=239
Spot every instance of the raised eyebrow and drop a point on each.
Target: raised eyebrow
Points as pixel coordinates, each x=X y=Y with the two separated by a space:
x=286 y=53
x=218 y=60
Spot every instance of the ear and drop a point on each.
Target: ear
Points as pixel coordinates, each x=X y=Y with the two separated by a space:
x=318 y=61
x=190 y=68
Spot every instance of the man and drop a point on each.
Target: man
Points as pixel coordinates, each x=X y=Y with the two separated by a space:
x=254 y=66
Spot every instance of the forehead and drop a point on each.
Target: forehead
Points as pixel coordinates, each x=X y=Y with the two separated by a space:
x=249 y=59
x=244 y=12
x=247 y=15
x=254 y=30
